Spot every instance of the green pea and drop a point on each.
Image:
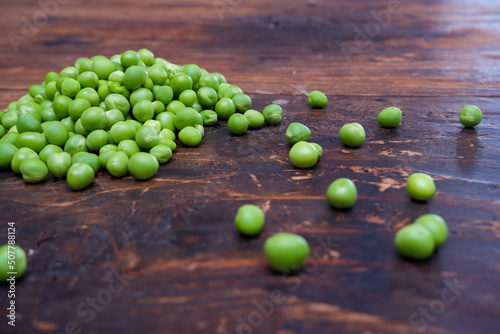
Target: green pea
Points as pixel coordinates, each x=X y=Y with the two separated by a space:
x=103 y=68
x=297 y=132
x=166 y=133
x=90 y=95
x=200 y=129
x=69 y=123
x=162 y=153
x=225 y=91
x=255 y=118
x=208 y=80
x=47 y=151
x=7 y=152
x=249 y=219
x=188 y=97
x=33 y=170
x=303 y=155
x=147 y=137
x=117 y=164
x=185 y=117
x=166 y=120
x=9 y=138
x=286 y=251
x=56 y=133
x=180 y=83
x=34 y=140
x=318 y=148
x=435 y=225
x=80 y=176
x=420 y=186
x=225 y=108
x=157 y=74
x=272 y=113
x=352 y=134
x=193 y=71
x=19 y=264
x=143 y=110
x=207 y=96
x=21 y=154
x=122 y=131
x=158 y=107
x=60 y=106
x=88 y=79
x=167 y=142
x=130 y=147
x=189 y=136
x=342 y=193
x=77 y=107
x=49 y=115
x=470 y=116
x=69 y=72
x=70 y=87
x=59 y=164
x=164 y=94
x=242 y=102
x=90 y=159
x=209 y=117
x=415 y=242
x=51 y=76
x=137 y=125
x=220 y=78
x=154 y=124
x=129 y=58
x=114 y=116
x=140 y=95
x=143 y=165
x=75 y=144
x=28 y=123
x=117 y=101
x=134 y=77
x=317 y=99
x=94 y=118
x=9 y=119
x=237 y=124
x=389 y=117
x=175 y=106
x=147 y=57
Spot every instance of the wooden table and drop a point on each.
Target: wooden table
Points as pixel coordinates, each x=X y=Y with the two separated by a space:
x=163 y=256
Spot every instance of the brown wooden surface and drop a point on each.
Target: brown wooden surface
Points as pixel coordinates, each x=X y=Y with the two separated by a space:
x=174 y=234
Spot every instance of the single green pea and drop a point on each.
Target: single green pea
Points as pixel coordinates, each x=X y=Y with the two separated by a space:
x=303 y=155
x=18 y=265
x=193 y=71
x=272 y=113
x=48 y=150
x=207 y=96
x=117 y=101
x=134 y=77
x=286 y=251
x=122 y=131
x=249 y=219
x=242 y=102
x=175 y=106
x=75 y=144
x=352 y=134
x=34 y=140
x=70 y=87
x=162 y=153
x=88 y=79
x=255 y=118
x=435 y=225
x=208 y=80
x=129 y=58
x=189 y=136
x=117 y=164
x=69 y=72
x=7 y=152
x=80 y=176
x=103 y=67
x=143 y=165
x=166 y=133
x=28 y=123
x=342 y=193
x=90 y=95
x=180 y=83
x=51 y=76
x=297 y=132
x=420 y=186
x=114 y=116
x=60 y=106
x=164 y=94
x=318 y=148
x=143 y=110
x=185 y=117
x=209 y=117
x=220 y=78
x=103 y=91
x=389 y=117
x=147 y=57
x=158 y=107
x=10 y=138
x=225 y=108
x=197 y=106
x=140 y=95
x=157 y=74
x=77 y=107
x=90 y=159
x=415 y=242
x=137 y=125
x=56 y=133
x=85 y=66
x=94 y=118
x=69 y=123
x=237 y=124
x=317 y=99
x=225 y=91
x=147 y=137
x=167 y=142
x=108 y=148
x=9 y=119
x=130 y=147
x=188 y=97
x=166 y=120
x=51 y=90
x=470 y=116
x=33 y=170
x=59 y=163
x=49 y=115
x=21 y=154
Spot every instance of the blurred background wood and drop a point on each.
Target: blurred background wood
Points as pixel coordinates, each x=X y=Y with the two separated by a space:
x=184 y=268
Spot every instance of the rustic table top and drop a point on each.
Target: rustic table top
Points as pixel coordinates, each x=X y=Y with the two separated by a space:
x=163 y=256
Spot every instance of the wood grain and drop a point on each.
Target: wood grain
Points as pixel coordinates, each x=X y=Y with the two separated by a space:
x=171 y=239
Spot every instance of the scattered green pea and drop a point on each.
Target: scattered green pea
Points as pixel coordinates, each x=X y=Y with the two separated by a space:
x=342 y=193
x=80 y=176
x=415 y=242
x=237 y=124
x=19 y=262
x=143 y=165
x=317 y=99
x=286 y=251
x=249 y=219
x=352 y=134
x=420 y=186
x=59 y=163
x=297 y=132
x=255 y=119
x=162 y=153
x=33 y=170
x=189 y=136
x=117 y=164
x=225 y=108
x=470 y=116
x=7 y=152
x=389 y=117
x=303 y=155
x=435 y=225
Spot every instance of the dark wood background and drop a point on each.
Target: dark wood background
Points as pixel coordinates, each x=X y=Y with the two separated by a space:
x=174 y=234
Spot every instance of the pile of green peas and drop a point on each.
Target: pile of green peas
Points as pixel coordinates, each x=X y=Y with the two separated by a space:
x=122 y=114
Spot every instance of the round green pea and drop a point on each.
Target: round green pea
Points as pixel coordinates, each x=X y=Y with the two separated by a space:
x=189 y=136
x=117 y=101
x=167 y=142
x=166 y=120
x=60 y=105
x=352 y=134
x=117 y=164
x=94 y=118
x=303 y=155
x=162 y=153
x=193 y=71
x=129 y=58
x=420 y=186
x=114 y=116
x=34 y=140
x=48 y=150
x=143 y=110
x=143 y=165
x=166 y=133
x=87 y=158
x=286 y=251
x=33 y=170
x=147 y=137
x=249 y=219
x=122 y=131
x=389 y=117
x=297 y=132
x=70 y=87
x=242 y=102
x=207 y=96
x=237 y=124
x=272 y=113
x=147 y=57
x=7 y=152
x=209 y=117
x=103 y=67
x=59 y=163
x=134 y=77
x=225 y=108
x=164 y=94
x=18 y=256
x=75 y=144
x=415 y=242
x=255 y=118
x=317 y=99
x=56 y=133
x=77 y=107
x=185 y=117
x=175 y=106
x=130 y=147
x=470 y=116
x=21 y=154
x=180 y=83
x=342 y=193
x=188 y=97
x=157 y=74
x=80 y=176
x=435 y=225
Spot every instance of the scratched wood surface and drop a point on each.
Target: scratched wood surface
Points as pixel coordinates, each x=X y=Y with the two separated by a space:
x=162 y=256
